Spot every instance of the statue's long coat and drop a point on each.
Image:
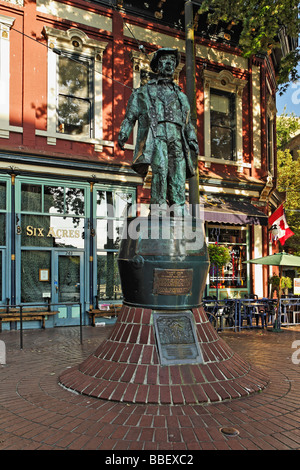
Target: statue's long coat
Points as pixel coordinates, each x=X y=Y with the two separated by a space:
x=142 y=107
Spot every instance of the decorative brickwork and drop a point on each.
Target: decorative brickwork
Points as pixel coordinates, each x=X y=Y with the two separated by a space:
x=126 y=367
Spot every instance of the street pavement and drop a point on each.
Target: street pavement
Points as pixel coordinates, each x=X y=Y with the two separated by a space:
x=36 y=413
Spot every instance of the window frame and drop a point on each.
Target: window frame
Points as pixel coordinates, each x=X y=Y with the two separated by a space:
x=6 y=23
x=74 y=42
x=232 y=127
x=65 y=214
x=7 y=246
x=89 y=63
x=110 y=218
x=245 y=244
x=224 y=81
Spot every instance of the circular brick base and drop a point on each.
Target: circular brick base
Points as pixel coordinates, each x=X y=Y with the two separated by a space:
x=126 y=367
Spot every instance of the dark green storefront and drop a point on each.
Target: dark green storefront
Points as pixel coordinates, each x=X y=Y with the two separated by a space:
x=58 y=243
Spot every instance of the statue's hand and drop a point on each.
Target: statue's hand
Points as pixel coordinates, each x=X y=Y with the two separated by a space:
x=121 y=141
x=194 y=146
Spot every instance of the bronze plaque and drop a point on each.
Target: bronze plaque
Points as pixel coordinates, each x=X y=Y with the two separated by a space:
x=172 y=281
x=176 y=338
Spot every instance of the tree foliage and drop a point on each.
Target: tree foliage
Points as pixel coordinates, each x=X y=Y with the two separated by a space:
x=288 y=180
x=261 y=23
x=289 y=183
x=286 y=126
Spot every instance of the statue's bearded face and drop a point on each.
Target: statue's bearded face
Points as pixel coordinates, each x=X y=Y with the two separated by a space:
x=166 y=65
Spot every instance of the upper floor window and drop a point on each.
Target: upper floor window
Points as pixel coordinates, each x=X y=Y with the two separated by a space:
x=223 y=125
x=75 y=98
x=6 y=23
x=223 y=118
x=74 y=102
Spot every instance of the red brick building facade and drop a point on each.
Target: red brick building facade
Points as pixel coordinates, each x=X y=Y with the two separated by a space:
x=67 y=70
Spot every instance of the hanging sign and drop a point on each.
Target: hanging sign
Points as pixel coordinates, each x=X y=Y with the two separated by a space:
x=296 y=285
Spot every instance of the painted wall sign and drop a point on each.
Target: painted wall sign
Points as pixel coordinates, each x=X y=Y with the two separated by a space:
x=52 y=232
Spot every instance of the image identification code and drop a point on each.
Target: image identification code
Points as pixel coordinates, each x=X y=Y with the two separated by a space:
x=152 y=459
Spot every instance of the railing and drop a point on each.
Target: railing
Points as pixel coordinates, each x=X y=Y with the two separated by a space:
x=27 y=306
x=290 y=310
x=238 y=314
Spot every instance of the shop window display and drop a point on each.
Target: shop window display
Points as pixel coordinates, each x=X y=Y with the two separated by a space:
x=33 y=286
x=53 y=222
x=234 y=273
x=50 y=217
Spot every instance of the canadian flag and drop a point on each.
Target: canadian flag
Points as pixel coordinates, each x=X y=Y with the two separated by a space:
x=279 y=224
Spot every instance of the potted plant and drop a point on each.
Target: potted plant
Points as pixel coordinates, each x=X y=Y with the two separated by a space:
x=286 y=284
x=274 y=281
x=219 y=256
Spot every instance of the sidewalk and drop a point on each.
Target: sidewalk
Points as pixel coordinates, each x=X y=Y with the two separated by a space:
x=38 y=414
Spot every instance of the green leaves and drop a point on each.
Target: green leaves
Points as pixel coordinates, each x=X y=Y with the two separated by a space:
x=219 y=255
x=262 y=23
x=288 y=176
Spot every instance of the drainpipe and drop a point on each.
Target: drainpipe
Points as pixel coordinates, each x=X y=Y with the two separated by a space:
x=191 y=94
x=91 y=257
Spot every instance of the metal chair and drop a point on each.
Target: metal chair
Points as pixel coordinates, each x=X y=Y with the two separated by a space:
x=247 y=311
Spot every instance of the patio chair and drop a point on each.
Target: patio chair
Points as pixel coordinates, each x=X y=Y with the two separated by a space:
x=247 y=311
x=271 y=310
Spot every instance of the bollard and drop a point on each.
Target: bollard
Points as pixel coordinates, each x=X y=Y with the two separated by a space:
x=2 y=353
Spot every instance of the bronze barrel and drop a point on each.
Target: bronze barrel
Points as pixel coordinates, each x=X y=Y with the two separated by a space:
x=163 y=262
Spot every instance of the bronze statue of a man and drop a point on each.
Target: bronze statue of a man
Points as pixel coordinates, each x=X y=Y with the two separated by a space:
x=165 y=132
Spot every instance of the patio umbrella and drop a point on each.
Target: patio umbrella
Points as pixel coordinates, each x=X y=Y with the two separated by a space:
x=278 y=259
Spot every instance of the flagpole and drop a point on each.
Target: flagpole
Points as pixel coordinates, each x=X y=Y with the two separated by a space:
x=276 y=326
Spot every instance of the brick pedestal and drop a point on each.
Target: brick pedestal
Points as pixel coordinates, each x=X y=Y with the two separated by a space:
x=126 y=367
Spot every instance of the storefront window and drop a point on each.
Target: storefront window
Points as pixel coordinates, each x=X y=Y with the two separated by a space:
x=109 y=233
x=53 y=222
x=3 y=230
x=112 y=207
x=227 y=235
x=62 y=224
x=34 y=285
x=54 y=199
x=114 y=204
x=60 y=200
x=4 y=219
x=2 y=196
x=31 y=198
x=1 y=267
x=51 y=217
x=52 y=231
x=109 y=284
x=69 y=279
x=233 y=274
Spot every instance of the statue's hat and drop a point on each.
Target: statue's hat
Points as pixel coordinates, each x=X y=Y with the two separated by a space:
x=160 y=52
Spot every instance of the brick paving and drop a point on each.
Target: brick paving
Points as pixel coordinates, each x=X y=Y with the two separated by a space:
x=126 y=367
x=36 y=413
